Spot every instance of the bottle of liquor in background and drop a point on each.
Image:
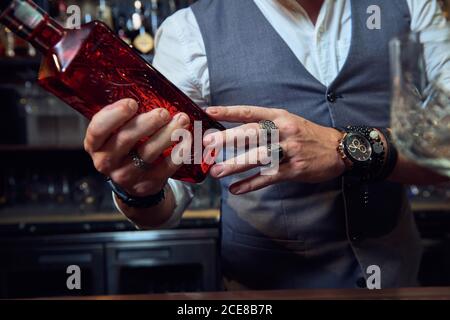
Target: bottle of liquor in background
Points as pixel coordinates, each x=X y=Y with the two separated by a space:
x=172 y=6
x=104 y=13
x=10 y=43
x=88 y=11
x=3 y=189
x=2 y=42
x=58 y=10
x=91 y=67
x=447 y=9
x=141 y=32
x=122 y=31
x=154 y=15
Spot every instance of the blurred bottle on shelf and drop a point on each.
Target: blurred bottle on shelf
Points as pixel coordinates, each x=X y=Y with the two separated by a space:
x=2 y=42
x=63 y=195
x=11 y=188
x=446 y=7
x=12 y=46
x=122 y=30
x=172 y=6
x=58 y=10
x=140 y=29
x=430 y=194
x=153 y=14
x=32 y=188
x=9 y=43
x=88 y=195
x=104 y=13
x=3 y=189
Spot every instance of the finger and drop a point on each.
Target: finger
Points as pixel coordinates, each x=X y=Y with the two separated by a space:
x=156 y=179
x=243 y=162
x=247 y=134
x=106 y=121
x=128 y=175
x=144 y=125
x=143 y=183
x=242 y=114
x=162 y=140
x=256 y=182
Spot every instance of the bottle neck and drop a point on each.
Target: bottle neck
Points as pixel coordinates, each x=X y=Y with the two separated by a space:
x=28 y=21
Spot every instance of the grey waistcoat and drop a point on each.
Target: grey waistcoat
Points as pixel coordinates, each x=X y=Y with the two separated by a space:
x=295 y=235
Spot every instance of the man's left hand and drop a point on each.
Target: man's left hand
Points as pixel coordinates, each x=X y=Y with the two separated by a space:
x=310 y=150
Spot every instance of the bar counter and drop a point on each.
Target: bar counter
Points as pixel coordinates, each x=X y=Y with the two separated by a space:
x=442 y=293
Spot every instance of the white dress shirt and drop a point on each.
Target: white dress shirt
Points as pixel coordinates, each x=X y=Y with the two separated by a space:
x=322 y=48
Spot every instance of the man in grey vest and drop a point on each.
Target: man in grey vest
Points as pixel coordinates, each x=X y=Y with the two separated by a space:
x=318 y=71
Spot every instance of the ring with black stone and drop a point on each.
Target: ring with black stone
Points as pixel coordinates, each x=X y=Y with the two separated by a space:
x=271 y=148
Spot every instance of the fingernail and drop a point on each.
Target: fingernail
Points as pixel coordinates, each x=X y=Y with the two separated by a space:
x=238 y=190
x=164 y=114
x=113 y=106
x=182 y=119
x=212 y=110
x=133 y=105
x=217 y=170
x=208 y=140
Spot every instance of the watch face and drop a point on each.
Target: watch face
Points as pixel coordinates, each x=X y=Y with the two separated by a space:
x=358 y=147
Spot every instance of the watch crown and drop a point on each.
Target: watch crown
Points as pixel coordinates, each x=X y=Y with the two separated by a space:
x=374 y=134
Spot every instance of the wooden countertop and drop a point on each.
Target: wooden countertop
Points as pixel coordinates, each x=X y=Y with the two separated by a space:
x=7 y=219
x=328 y=294
x=14 y=217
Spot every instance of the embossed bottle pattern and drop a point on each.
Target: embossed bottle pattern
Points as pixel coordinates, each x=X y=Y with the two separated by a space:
x=91 y=67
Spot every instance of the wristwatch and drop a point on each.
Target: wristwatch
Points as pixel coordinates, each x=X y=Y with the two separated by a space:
x=363 y=152
x=136 y=202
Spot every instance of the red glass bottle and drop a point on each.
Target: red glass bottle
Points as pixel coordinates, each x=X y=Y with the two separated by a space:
x=90 y=67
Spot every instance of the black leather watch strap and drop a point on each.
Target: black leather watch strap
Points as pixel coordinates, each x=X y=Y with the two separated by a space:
x=136 y=202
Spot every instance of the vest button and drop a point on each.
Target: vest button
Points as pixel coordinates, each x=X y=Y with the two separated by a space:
x=331 y=97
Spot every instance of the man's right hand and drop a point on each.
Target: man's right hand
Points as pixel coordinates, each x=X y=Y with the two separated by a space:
x=114 y=132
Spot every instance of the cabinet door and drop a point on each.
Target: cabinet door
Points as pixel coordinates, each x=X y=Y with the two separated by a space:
x=42 y=271
x=162 y=266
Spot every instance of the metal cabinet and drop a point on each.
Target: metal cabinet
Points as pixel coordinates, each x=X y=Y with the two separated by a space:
x=111 y=263
x=27 y=272
x=161 y=266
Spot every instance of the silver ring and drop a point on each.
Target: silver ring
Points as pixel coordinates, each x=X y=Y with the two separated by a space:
x=268 y=126
x=271 y=148
x=138 y=162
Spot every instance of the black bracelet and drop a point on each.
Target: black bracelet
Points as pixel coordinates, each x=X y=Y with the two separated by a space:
x=136 y=202
x=392 y=156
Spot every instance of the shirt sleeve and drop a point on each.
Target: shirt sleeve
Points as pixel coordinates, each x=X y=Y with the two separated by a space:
x=427 y=17
x=183 y=196
x=180 y=56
